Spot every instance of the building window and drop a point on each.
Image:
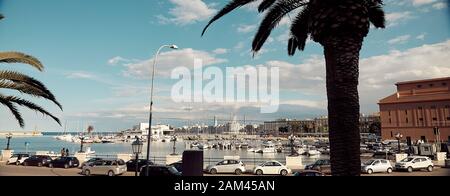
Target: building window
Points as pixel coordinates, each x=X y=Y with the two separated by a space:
x=431 y=85
x=434 y=119
x=421 y=119
x=407 y=120
x=390 y=121
x=389 y=113
x=419 y=86
x=433 y=107
x=406 y=112
x=444 y=84
x=448 y=118
x=447 y=106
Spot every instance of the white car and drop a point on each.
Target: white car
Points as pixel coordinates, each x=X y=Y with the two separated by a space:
x=17 y=159
x=227 y=166
x=377 y=166
x=105 y=167
x=415 y=163
x=272 y=168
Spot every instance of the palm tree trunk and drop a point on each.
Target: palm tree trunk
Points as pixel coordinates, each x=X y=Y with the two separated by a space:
x=342 y=64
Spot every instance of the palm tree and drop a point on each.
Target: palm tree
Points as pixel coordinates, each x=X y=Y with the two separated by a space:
x=340 y=26
x=24 y=84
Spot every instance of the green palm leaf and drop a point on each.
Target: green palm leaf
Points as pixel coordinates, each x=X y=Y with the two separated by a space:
x=28 y=104
x=17 y=57
x=26 y=84
x=234 y=4
x=271 y=20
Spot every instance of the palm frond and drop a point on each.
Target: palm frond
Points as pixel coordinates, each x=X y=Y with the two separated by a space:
x=299 y=31
x=234 y=4
x=32 y=106
x=13 y=110
x=265 y=5
x=17 y=57
x=271 y=20
x=376 y=15
x=27 y=85
x=1 y=17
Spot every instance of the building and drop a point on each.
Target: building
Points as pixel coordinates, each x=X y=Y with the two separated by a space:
x=416 y=109
x=158 y=131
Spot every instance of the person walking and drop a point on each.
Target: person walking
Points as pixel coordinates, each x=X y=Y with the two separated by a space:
x=62 y=152
x=67 y=152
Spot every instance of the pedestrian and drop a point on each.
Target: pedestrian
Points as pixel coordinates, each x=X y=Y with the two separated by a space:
x=67 y=151
x=62 y=152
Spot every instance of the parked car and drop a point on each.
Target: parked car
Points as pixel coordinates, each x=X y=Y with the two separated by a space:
x=272 y=168
x=92 y=160
x=227 y=166
x=131 y=164
x=309 y=173
x=17 y=159
x=38 y=160
x=323 y=166
x=159 y=170
x=178 y=165
x=377 y=166
x=415 y=163
x=105 y=167
x=64 y=162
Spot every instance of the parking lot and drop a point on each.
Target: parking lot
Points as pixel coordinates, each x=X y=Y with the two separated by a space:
x=13 y=170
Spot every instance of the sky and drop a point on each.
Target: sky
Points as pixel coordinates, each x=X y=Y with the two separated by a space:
x=98 y=53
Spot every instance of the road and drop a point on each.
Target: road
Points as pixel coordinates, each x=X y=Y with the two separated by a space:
x=13 y=170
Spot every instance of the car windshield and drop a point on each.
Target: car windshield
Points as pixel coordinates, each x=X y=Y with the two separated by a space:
x=173 y=170
x=407 y=160
x=369 y=162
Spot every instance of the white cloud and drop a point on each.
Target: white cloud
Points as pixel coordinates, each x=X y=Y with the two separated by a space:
x=167 y=61
x=400 y=39
x=421 y=36
x=440 y=5
x=187 y=12
x=116 y=60
x=396 y=18
x=80 y=75
x=422 y=2
x=220 y=51
x=239 y=46
x=246 y=28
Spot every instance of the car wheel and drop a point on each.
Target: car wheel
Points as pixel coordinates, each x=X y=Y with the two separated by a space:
x=430 y=168
x=389 y=170
x=369 y=171
x=410 y=169
x=111 y=173
x=39 y=164
x=284 y=172
x=87 y=172
x=50 y=165
x=66 y=166
x=238 y=172
x=259 y=172
x=213 y=171
x=17 y=163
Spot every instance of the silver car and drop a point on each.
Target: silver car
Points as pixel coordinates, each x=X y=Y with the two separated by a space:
x=377 y=166
x=105 y=167
x=227 y=166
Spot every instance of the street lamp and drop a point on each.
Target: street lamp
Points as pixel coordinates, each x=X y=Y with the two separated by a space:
x=399 y=136
x=136 y=146
x=8 y=137
x=149 y=135
x=81 y=143
x=174 y=140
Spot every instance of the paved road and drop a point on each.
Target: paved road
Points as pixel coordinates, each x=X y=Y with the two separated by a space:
x=13 y=170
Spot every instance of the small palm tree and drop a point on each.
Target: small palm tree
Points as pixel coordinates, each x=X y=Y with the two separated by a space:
x=24 y=84
x=340 y=26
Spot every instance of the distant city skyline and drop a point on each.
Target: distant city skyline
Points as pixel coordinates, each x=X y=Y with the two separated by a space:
x=97 y=57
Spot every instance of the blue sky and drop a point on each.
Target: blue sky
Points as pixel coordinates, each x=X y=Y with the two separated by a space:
x=97 y=56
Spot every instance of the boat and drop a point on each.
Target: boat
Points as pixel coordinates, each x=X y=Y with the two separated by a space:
x=268 y=147
x=107 y=141
x=312 y=152
x=301 y=151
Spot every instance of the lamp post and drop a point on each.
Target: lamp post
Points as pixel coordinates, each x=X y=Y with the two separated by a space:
x=174 y=140
x=81 y=145
x=136 y=146
x=399 y=136
x=8 y=137
x=155 y=60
